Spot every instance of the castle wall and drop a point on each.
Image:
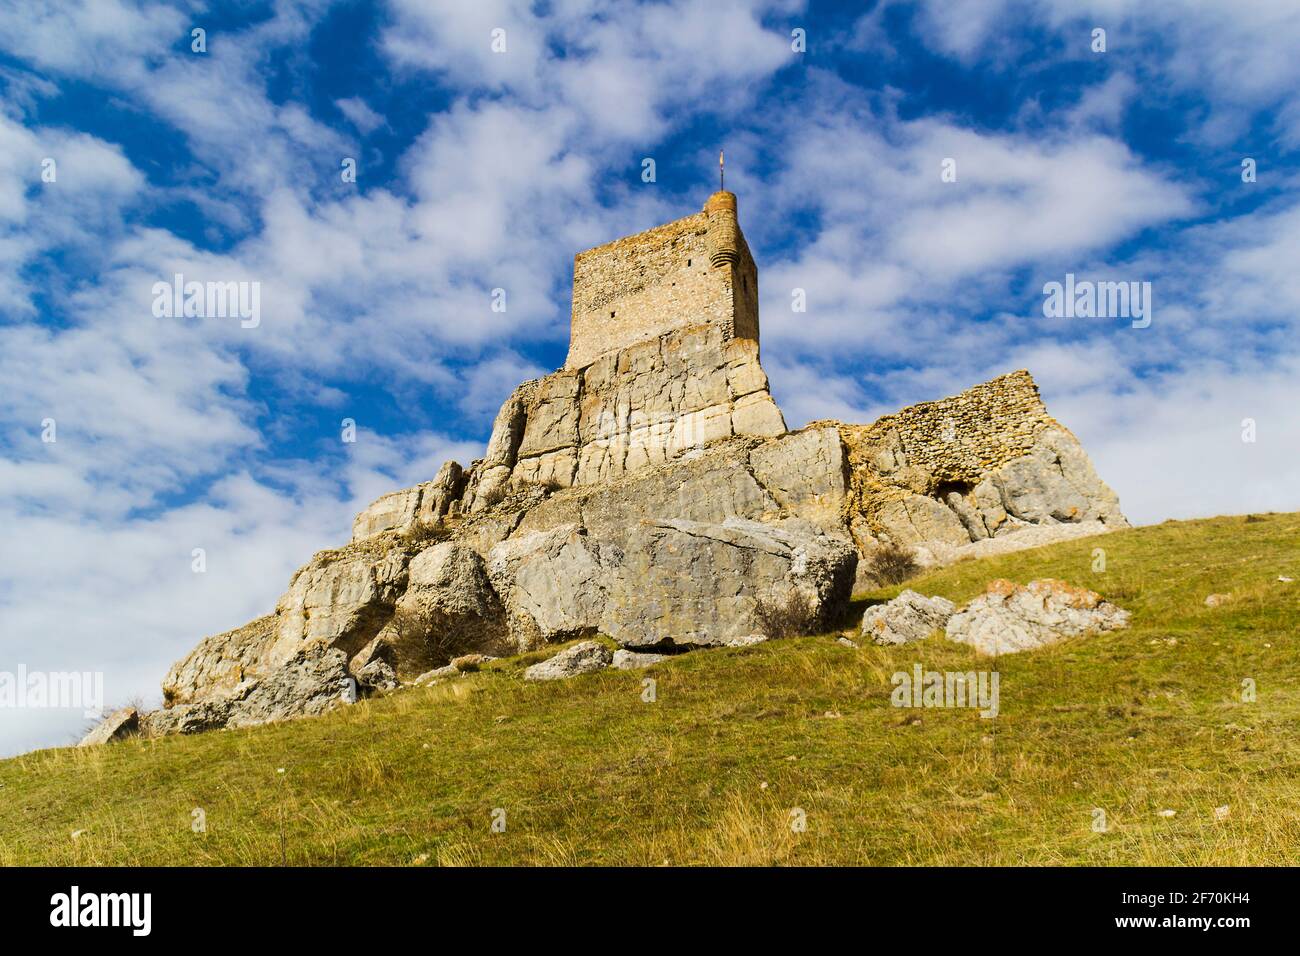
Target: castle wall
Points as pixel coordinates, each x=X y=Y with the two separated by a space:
x=958 y=439
x=670 y=277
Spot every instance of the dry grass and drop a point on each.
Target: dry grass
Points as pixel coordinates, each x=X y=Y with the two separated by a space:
x=1132 y=722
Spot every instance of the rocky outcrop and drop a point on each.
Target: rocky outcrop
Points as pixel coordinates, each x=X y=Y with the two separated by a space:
x=696 y=584
x=552 y=583
x=1010 y=617
x=585 y=658
x=908 y=617
x=448 y=608
x=423 y=504
x=654 y=495
x=314 y=680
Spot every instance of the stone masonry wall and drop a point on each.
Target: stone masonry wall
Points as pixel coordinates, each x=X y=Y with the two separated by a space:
x=642 y=286
x=959 y=439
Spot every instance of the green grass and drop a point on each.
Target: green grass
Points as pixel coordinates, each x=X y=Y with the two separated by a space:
x=1133 y=722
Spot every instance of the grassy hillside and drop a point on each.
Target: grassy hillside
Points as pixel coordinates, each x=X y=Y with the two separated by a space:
x=1134 y=722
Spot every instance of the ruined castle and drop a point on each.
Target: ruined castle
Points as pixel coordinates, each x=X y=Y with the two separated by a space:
x=648 y=491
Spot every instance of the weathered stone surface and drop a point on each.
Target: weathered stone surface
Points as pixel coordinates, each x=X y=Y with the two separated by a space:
x=917 y=519
x=1217 y=600
x=449 y=608
x=378 y=675
x=629 y=410
x=1054 y=482
x=425 y=503
x=118 y=724
x=985 y=463
x=626 y=660
x=552 y=583
x=218 y=664
x=584 y=658
x=340 y=598
x=688 y=583
x=805 y=473
x=908 y=617
x=314 y=680
x=1009 y=617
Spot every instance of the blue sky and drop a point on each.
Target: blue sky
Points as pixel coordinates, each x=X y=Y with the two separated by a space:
x=480 y=170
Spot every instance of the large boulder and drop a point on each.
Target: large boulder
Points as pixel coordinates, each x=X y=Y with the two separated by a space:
x=314 y=680
x=341 y=598
x=553 y=584
x=696 y=584
x=584 y=658
x=1010 y=617
x=908 y=617
x=121 y=723
x=449 y=608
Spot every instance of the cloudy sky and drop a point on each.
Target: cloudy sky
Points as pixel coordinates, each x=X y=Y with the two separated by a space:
x=478 y=169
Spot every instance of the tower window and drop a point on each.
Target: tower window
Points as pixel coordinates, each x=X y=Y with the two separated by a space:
x=688 y=263
x=611 y=315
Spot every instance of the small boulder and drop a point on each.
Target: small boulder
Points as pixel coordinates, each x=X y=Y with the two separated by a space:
x=435 y=675
x=1217 y=600
x=1009 y=617
x=118 y=724
x=626 y=660
x=378 y=675
x=584 y=658
x=908 y=617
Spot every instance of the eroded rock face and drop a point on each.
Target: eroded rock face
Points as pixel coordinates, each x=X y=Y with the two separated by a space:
x=342 y=600
x=695 y=584
x=449 y=607
x=552 y=583
x=585 y=658
x=908 y=617
x=1010 y=617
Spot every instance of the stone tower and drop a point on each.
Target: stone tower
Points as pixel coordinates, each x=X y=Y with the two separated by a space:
x=693 y=271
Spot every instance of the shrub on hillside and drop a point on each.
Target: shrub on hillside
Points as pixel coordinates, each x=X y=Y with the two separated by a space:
x=786 y=616
x=892 y=564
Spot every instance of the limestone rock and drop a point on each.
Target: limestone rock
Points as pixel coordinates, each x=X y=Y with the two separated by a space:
x=552 y=583
x=378 y=675
x=218 y=664
x=629 y=409
x=1217 y=600
x=804 y=473
x=688 y=583
x=449 y=608
x=1009 y=617
x=314 y=680
x=584 y=658
x=423 y=504
x=626 y=660
x=908 y=617
x=1055 y=482
x=118 y=724
x=340 y=598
